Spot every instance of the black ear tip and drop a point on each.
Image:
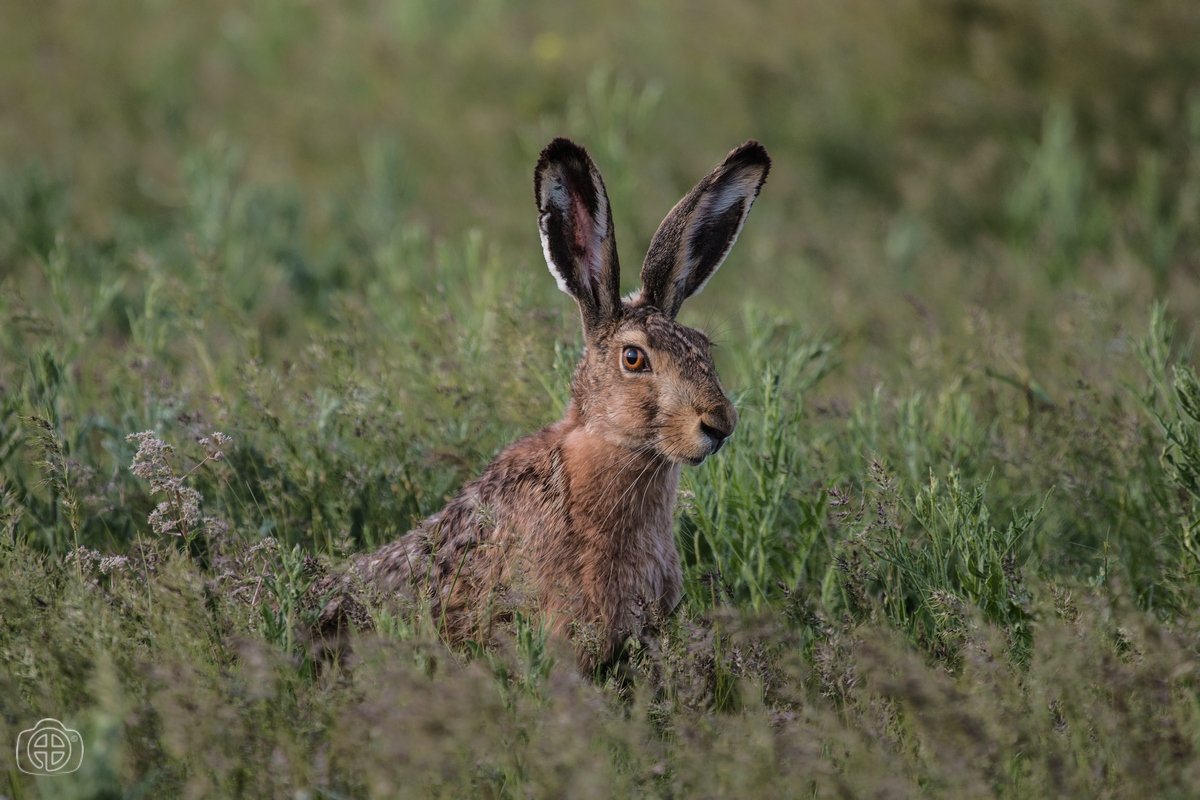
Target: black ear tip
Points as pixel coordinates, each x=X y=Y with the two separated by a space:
x=564 y=152
x=562 y=149
x=749 y=154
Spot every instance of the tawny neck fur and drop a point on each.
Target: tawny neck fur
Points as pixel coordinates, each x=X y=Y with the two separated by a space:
x=616 y=489
x=620 y=505
x=617 y=492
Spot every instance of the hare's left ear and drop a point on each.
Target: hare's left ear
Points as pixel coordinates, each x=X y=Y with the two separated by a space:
x=576 y=225
x=693 y=240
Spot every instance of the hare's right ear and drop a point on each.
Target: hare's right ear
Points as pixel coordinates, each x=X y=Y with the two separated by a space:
x=577 y=231
x=695 y=237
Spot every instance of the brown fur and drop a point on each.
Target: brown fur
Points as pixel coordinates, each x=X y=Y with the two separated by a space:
x=576 y=519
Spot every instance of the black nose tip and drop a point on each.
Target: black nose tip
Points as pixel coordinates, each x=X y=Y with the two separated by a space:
x=717 y=435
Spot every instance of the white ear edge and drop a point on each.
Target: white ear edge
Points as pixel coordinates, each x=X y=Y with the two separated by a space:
x=741 y=186
x=558 y=197
x=555 y=269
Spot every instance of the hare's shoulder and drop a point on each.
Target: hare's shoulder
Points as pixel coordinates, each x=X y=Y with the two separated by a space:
x=524 y=486
x=526 y=479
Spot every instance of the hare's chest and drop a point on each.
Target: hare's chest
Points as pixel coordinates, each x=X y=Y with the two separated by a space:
x=634 y=578
x=661 y=581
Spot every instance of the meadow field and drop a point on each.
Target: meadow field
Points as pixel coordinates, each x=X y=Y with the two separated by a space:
x=952 y=551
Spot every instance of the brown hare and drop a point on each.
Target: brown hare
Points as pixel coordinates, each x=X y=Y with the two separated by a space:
x=576 y=519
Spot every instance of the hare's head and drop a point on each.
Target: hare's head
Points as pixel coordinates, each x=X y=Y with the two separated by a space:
x=646 y=382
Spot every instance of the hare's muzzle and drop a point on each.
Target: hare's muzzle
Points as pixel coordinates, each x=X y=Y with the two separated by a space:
x=717 y=425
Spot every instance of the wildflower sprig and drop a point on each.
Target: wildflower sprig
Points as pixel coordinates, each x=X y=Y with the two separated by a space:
x=179 y=514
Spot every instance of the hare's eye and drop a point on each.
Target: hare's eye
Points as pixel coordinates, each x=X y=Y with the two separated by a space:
x=634 y=359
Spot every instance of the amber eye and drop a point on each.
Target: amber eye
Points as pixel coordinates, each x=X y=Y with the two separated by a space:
x=634 y=360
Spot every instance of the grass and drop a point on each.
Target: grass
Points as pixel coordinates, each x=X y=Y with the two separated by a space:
x=953 y=550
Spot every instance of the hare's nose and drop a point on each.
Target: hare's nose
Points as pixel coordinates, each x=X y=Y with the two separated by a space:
x=716 y=430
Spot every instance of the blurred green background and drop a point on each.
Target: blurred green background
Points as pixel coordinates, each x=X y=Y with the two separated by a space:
x=995 y=153
x=958 y=327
